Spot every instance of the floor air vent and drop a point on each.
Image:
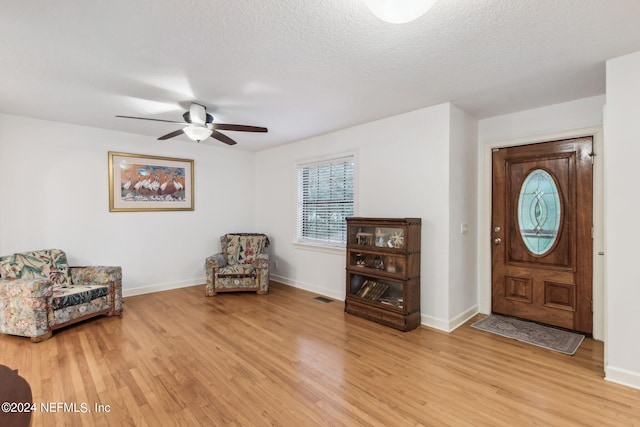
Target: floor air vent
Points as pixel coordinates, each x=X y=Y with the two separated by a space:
x=323 y=299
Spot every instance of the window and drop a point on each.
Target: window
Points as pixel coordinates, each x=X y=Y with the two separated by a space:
x=325 y=199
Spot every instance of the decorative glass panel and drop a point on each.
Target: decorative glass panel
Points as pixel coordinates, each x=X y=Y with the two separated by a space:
x=539 y=211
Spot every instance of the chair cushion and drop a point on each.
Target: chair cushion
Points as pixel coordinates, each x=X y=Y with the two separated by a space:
x=65 y=296
x=42 y=264
x=233 y=248
x=243 y=248
x=73 y=312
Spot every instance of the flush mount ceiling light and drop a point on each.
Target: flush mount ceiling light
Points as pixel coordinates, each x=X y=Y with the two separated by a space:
x=197 y=132
x=399 y=11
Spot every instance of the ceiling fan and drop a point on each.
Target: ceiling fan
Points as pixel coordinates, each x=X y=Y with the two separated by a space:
x=200 y=126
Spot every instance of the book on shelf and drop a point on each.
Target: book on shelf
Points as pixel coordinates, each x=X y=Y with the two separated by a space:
x=395 y=301
x=372 y=289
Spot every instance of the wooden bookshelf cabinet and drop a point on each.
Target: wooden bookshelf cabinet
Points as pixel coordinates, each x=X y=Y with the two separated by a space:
x=383 y=270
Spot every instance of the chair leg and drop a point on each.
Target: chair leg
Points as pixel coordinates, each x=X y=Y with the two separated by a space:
x=210 y=288
x=40 y=338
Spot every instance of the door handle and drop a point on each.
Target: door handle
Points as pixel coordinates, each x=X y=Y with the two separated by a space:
x=497 y=241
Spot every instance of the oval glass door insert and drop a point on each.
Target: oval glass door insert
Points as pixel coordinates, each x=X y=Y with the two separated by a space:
x=539 y=210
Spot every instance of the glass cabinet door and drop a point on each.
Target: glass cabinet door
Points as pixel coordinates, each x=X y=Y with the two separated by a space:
x=381 y=237
x=387 y=292
x=388 y=263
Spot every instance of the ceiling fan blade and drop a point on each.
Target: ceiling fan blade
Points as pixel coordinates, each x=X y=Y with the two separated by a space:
x=145 y=118
x=222 y=137
x=171 y=135
x=239 y=128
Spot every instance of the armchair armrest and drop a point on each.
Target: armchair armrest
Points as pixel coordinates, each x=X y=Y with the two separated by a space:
x=101 y=275
x=95 y=275
x=211 y=263
x=26 y=288
x=23 y=306
x=216 y=261
x=262 y=260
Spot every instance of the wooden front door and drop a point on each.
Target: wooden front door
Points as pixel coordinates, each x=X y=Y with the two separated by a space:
x=542 y=233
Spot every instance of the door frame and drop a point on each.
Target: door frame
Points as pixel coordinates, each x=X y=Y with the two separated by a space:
x=484 y=220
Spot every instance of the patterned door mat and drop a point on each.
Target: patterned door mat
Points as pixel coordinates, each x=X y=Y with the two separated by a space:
x=532 y=333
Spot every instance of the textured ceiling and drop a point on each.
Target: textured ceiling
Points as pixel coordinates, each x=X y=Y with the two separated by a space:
x=299 y=67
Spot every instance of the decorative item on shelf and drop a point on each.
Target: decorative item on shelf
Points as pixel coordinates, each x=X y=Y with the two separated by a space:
x=356 y=284
x=378 y=263
x=363 y=238
x=391 y=265
x=396 y=241
x=380 y=236
x=360 y=260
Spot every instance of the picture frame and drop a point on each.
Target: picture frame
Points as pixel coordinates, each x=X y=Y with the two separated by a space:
x=141 y=183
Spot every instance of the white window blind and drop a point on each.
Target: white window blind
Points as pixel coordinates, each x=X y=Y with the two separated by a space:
x=325 y=199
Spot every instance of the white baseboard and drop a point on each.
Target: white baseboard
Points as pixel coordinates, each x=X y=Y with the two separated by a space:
x=453 y=324
x=307 y=287
x=622 y=376
x=434 y=322
x=129 y=292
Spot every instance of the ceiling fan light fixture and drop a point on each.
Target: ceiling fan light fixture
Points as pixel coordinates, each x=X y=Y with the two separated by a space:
x=399 y=11
x=197 y=133
x=198 y=126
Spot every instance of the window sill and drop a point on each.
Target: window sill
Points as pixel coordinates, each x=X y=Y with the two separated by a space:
x=319 y=248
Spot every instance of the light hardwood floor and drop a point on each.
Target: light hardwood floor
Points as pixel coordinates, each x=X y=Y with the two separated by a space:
x=286 y=359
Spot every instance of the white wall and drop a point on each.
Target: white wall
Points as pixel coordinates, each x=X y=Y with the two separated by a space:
x=576 y=114
x=463 y=176
x=55 y=194
x=622 y=136
x=402 y=171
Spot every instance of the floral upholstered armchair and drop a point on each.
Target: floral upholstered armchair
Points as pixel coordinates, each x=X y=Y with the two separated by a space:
x=39 y=292
x=242 y=265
